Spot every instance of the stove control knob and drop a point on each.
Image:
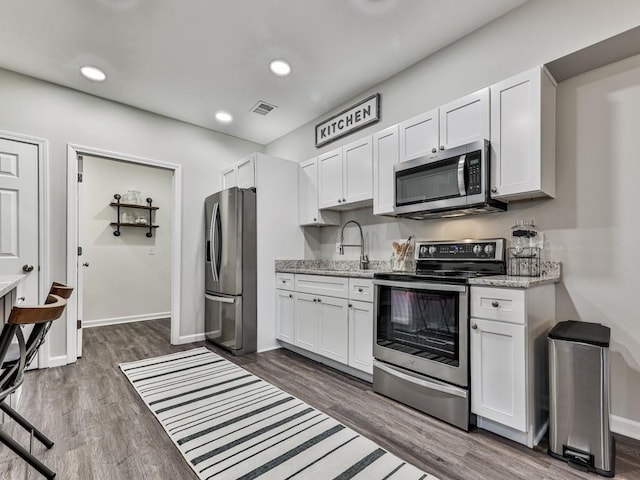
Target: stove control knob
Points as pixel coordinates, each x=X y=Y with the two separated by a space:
x=488 y=249
x=477 y=249
x=423 y=250
x=432 y=250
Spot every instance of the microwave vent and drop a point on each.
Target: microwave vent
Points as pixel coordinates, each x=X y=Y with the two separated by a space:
x=263 y=108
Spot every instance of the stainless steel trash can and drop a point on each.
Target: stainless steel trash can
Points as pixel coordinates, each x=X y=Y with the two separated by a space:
x=579 y=430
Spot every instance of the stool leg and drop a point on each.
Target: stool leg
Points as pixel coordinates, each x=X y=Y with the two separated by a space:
x=26 y=456
x=20 y=420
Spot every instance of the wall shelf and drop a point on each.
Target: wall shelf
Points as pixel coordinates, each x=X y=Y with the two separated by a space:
x=119 y=223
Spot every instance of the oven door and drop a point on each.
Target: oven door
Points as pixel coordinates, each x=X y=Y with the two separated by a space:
x=423 y=327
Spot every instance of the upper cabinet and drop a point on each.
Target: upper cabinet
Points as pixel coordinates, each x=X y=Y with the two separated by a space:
x=523 y=129
x=241 y=174
x=346 y=176
x=385 y=156
x=462 y=121
x=309 y=213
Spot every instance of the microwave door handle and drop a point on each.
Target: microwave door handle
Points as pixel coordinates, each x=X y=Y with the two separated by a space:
x=212 y=235
x=461 y=185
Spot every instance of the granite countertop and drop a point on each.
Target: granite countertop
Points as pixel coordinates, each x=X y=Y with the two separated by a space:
x=549 y=273
x=9 y=282
x=334 y=268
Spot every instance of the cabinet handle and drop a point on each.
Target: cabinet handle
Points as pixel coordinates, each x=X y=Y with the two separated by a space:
x=290 y=296
x=350 y=306
x=315 y=219
x=360 y=290
x=319 y=301
x=315 y=300
x=441 y=147
x=339 y=201
x=494 y=190
x=434 y=150
x=495 y=304
x=344 y=200
x=474 y=326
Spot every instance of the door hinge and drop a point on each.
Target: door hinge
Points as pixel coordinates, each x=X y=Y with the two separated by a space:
x=79 y=177
x=79 y=251
x=79 y=324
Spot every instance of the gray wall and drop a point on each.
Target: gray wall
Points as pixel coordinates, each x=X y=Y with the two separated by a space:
x=62 y=116
x=592 y=223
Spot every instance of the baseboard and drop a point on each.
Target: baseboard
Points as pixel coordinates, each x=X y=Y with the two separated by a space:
x=277 y=347
x=58 y=361
x=196 y=337
x=116 y=320
x=625 y=426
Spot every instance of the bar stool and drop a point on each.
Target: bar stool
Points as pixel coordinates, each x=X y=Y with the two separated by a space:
x=12 y=373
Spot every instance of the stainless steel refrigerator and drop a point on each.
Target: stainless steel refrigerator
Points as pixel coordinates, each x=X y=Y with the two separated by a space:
x=230 y=270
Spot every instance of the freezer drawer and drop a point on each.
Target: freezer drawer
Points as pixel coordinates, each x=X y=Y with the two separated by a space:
x=223 y=320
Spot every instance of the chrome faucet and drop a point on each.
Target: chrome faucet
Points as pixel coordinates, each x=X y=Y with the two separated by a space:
x=364 y=259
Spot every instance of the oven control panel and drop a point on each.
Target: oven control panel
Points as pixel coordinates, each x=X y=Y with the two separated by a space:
x=466 y=250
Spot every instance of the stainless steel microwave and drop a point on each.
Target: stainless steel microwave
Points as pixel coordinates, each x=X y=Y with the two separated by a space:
x=452 y=183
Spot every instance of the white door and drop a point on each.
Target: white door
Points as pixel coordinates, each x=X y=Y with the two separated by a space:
x=385 y=156
x=419 y=136
x=357 y=171
x=465 y=120
x=19 y=215
x=498 y=376
x=334 y=329
x=82 y=263
x=361 y=336
x=306 y=322
x=285 y=312
x=330 y=179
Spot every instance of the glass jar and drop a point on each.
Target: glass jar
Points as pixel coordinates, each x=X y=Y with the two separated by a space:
x=525 y=239
x=132 y=197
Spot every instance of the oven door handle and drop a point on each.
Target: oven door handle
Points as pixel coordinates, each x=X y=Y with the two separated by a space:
x=432 y=384
x=443 y=287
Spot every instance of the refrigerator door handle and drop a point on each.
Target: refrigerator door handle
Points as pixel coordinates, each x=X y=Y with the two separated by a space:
x=214 y=236
x=216 y=298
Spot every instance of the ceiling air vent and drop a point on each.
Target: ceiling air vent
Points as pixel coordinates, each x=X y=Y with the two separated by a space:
x=262 y=108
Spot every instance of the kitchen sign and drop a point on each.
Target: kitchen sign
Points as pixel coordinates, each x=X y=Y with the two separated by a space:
x=348 y=121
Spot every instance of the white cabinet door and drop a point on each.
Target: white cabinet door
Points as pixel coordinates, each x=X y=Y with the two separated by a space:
x=306 y=321
x=523 y=136
x=334 y=328
x=465 y=120
x=308 y=192
x=498 y=375
x=357 y=171
x=229 y=178
x=246 y=172
x=419 y=136
x=330 y=179
x=385 y=156
x=285 y=315
x=361 y=336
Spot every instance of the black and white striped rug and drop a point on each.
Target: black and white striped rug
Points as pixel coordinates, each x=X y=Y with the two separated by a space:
x=230 y=424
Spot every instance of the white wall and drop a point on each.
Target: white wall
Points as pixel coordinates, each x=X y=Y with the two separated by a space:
x=61 y=115
x=132 y=268
x=591 y=226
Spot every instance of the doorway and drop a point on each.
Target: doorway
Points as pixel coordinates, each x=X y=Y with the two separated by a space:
x=121 y=289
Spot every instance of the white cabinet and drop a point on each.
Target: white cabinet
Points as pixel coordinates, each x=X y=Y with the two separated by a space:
x=285 y=314
x=306 y=322
x=309 y=212
x=462 y=121
x=361 y=336
x=385 y=156
x=331 y=317
x=523 y=126
x=509 y=391
x=345 y=176
x=334 y=328
x=241 y=174
x=498 y=372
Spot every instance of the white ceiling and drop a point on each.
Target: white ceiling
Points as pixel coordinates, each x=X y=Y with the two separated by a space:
x=186 y=59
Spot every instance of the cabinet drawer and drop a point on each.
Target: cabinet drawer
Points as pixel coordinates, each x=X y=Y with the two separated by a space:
x=321 y=285
x=361 y=289
x=284 y=281
x=503 y=304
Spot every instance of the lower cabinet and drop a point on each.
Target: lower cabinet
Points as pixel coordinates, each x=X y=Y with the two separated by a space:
x=498 y=372
x=336 y=328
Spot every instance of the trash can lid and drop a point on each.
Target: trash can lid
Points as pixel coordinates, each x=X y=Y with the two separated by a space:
x=583 y=332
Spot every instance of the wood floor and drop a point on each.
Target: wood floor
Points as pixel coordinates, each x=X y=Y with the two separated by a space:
x=103 y=430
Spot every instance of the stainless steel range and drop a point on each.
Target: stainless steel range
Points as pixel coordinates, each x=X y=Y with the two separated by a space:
x=421 y=338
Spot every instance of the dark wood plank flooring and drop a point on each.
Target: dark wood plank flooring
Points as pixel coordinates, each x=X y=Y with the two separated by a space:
x=103 y=430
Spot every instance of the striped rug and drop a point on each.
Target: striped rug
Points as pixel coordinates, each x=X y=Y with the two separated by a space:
x=230 y=424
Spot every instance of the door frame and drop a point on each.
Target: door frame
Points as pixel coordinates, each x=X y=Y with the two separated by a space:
x=73 y=150
x=43 y=222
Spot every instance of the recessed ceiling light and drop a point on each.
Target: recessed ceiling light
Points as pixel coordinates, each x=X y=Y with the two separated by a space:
x=223 y=117
x=93 y=73
x=280 y=68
